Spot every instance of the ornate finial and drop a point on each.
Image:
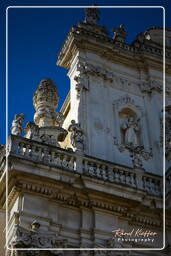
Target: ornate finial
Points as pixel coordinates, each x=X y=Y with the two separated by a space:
x=16 y=128
x=120 y=33
x=92 y=15
x=48 y=123
x=45 y=102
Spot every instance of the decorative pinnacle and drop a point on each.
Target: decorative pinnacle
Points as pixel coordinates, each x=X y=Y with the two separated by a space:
x=45 y=102
x=92 y=15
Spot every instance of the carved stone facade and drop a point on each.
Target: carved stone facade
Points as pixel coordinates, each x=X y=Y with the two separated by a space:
x=95 y=167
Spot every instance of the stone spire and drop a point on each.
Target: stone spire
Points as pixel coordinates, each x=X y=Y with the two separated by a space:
x=45 y=102
x=92 y=15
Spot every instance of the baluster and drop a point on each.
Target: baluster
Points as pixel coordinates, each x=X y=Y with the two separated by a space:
x=33 y=152
x=27 y=151
x=132 y=179
x=117 y=175
x=86 y=166
x=57 y=160
x=91 y=169
x=46 y=155
x=127 y=178
x=65 y=162
x=121 y=176
x=98 y=171
x=52 y=156
x=145 y=183
x=103 y=168
x=150 y=185
x=153 y=187
x=71 y=163
x=39 y=154
x=110 y=174
x=21 y=148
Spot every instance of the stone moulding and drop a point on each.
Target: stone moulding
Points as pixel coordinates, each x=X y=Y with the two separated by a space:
x=81 y=32
x=88 y=68
x=79 y=202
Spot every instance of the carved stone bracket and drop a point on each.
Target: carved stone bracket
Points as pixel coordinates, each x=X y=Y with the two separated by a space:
x=90 y=69
x=82 y=79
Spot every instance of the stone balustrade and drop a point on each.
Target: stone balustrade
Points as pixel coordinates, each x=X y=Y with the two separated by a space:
x=40 y=152
x=152 y=184
x=108 y=172
x=81 y=164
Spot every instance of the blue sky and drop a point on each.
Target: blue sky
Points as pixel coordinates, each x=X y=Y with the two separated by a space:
x=36 y=36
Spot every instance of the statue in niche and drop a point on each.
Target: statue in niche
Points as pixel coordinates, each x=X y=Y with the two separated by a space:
x=130 y=130
x=16 y=128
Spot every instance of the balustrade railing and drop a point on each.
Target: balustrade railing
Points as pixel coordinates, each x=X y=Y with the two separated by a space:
x=92 y=167
x=152 y=185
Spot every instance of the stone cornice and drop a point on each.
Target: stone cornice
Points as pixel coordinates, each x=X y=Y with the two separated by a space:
x=81 y=38
x=76 y=200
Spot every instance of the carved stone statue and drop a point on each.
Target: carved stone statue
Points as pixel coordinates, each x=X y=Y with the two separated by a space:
x=120 y=33
x=76 y=135
x=131 y=129
x=16 y=128
x=92 y=15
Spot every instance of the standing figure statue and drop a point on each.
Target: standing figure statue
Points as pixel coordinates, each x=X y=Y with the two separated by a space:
x=92 y=15
x=16 y=128
x=76 y=135
x=131 y=128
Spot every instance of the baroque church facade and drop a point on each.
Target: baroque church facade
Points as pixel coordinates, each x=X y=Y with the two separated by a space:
x=91 y=175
